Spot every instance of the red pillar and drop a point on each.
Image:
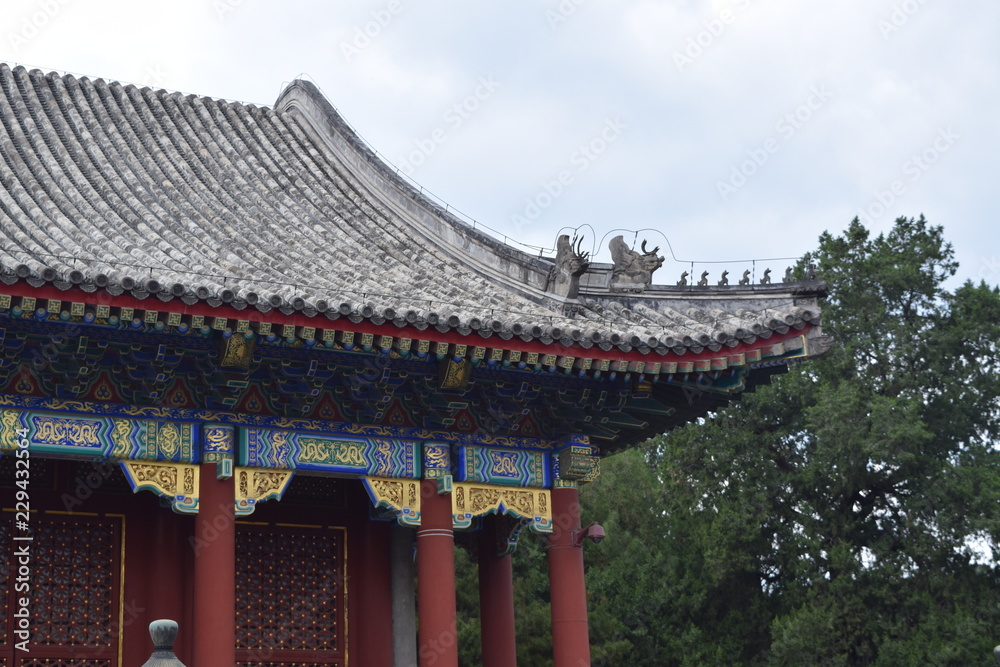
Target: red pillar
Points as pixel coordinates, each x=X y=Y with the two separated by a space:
x=496 y=601
x=567 y=591
x=214 y=643
x=438 y=633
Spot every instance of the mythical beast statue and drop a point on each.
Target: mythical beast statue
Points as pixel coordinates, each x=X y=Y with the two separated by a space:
x=571 y=263
x=632 y=271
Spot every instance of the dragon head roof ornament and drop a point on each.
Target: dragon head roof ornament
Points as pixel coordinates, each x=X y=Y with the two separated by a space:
x=571 y=263
x=632 y=271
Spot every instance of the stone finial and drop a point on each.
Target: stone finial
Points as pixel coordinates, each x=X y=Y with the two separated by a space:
x=684 y=279
x=163 y=633
x=704 y=278
x=766 y=280
x=571 y=263
x=725 y=278
x=632 y=271
x=745 y=280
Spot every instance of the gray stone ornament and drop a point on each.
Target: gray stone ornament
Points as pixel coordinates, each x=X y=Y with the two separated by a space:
x=163 y=633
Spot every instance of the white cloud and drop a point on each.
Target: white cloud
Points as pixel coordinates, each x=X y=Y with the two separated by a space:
x=688 y=125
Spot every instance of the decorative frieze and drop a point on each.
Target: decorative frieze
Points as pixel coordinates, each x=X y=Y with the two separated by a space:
x=506 y=467
x=293 y=450
x=101 y=437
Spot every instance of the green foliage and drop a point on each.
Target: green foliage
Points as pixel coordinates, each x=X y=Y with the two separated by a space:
x=846 y=514
x=858 y=488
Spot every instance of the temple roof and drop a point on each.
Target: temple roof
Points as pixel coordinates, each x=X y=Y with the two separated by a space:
x=115 y=188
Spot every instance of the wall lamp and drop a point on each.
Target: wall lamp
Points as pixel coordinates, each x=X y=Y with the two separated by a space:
x=594 y=532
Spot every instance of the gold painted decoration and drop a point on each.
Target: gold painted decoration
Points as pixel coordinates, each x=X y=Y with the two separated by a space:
x=437 y=459
x=237 y=351
x=10 y=424
x=454 y=375
x=324 y=451
x=254 y=486
x=401 y=497
x=66 y=431
x=177 y=482
x=474 y=500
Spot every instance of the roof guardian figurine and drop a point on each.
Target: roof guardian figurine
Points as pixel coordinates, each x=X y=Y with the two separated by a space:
x=571 y=263
x=632 y=271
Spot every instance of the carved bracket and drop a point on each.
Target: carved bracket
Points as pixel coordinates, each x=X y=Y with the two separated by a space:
x=474 y=500
x=176 y=482
x=401 y=497
x=255 y=485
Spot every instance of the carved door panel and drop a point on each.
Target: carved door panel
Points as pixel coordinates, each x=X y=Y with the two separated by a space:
x=290 y=596
x=70 y=576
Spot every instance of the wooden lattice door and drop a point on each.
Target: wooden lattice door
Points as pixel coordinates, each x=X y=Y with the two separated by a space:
x=290 y=596
x=74 y=593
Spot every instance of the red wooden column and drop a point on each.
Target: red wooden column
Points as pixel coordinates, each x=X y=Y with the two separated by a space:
x=214 y=545
x=496 y=600
x=567 y=591
x=438 y=634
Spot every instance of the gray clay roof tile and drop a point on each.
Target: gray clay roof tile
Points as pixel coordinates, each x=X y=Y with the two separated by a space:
x=132 y=183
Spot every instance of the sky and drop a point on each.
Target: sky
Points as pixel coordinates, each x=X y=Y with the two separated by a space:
x=720 y=130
